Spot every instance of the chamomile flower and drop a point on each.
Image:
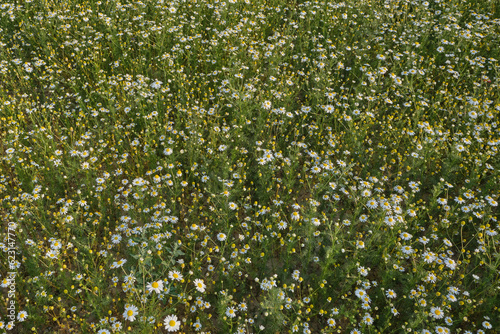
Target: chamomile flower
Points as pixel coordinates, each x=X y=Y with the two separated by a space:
x=131 y=312
x=175 y=275
x=197 y=325
x=487 y=325
x=118 y=264
x=266 y=105
x=451 y=264
x=390 y=294
x=360 y=293
x=363 y=271
x=282 y=225
x=405 y=236
x=200 y=285
x=116 y=238
x=368 y=319
x=171 y=323
x=436 y=313
x=442 y=330
x=156 y=286
x=116 y=326
x=231 y=312
x=22 y=316
x=372 y=204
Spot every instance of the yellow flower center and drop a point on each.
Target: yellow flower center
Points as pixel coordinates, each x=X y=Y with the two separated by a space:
x=130 y=313
x=155 y=285
x=171 y=323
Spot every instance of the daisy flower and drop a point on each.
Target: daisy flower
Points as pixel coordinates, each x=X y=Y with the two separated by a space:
x=231 y=312
x=5 y=283
x=175 y=275
x=172 y=324
x=22 y=316
x=116 y=326
x=372 y=204
x=282 y=225
x=360 y=293
x=197 y=326
x=363 y=271
x=296 y=275
x=266 y=105
x=436 y=313
x=200 y=286
x=450 y=263
x=130 y=312
x=118 y=264
x=155 y=286
x=441 y=330
x=390 y=293
x=315 y=221
x=116 y=238
x=487 y=324
x=367 y=319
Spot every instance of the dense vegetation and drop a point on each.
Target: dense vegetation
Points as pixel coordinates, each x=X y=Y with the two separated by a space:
x=249 y=166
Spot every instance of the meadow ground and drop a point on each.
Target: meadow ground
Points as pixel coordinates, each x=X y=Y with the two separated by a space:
x=243 y=166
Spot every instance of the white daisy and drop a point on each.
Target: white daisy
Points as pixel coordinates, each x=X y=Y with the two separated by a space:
x=130 y=312
x=172 y=324
x=200 y=286
x=155 y=286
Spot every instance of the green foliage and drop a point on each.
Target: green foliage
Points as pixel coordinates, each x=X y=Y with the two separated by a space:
x=242 y=166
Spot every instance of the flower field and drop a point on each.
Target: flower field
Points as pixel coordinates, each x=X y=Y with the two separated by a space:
x=240 y=166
